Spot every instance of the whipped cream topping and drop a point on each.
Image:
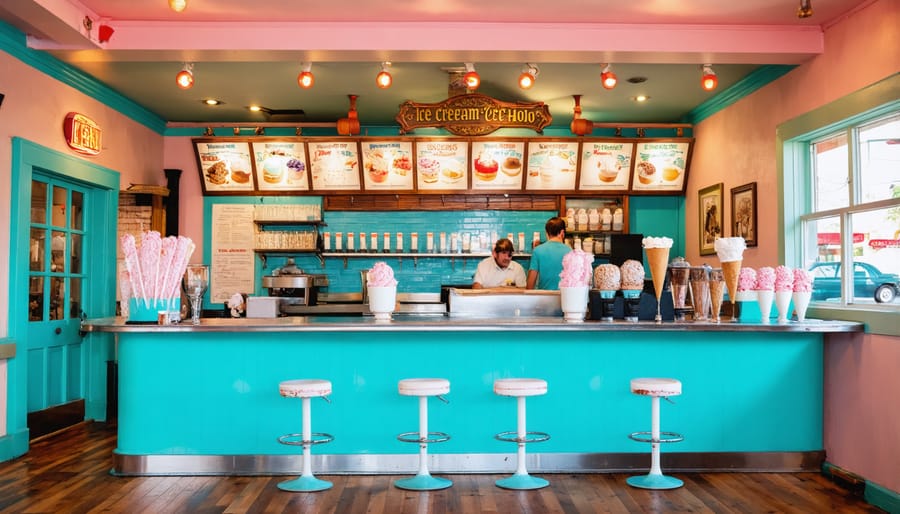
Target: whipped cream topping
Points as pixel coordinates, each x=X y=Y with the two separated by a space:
x=730 y=248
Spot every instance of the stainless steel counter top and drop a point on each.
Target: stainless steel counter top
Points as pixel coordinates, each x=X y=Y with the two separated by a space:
x=417 y=322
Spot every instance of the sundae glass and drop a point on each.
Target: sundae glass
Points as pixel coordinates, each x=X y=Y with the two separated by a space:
x=657 y=249
x=700 y=298
x=574 y=284
x=731 y=253
x=196 y=281
x=679 y=273
x=382 y=289
x=716 y=291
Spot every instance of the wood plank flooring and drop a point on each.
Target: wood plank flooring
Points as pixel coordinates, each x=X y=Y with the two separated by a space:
x=68 y=472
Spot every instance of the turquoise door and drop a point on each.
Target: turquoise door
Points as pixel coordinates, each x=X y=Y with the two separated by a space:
x=56 y=280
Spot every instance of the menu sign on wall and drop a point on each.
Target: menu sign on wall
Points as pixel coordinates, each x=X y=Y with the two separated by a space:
x=334 y=165
x=224 y=166
x=498 y=165
x=281 y=166
x=231 y=266
x=605 y=165
x=387 y=165
x=660 y=166
x=442 y=164
x=473 y=115
x=551 y=165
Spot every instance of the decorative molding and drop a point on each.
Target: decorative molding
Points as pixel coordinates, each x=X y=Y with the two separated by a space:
x=744 y=87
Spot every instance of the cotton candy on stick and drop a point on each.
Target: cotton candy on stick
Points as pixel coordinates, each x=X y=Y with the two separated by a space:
x=132 y=264
x=151 y=246
x=184 y=248
x=161 y=288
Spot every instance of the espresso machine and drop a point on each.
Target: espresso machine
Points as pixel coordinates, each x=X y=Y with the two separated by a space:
x=293 y=287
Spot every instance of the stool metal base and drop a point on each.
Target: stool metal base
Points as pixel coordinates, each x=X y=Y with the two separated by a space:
x=653 y=481
x=522 y=482
x=305 y=484
x=423 y=483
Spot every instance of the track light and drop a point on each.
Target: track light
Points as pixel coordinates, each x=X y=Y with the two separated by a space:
x=805 y=10
x=607 y=78
x=306 y=79
x=709 y=80
x=384 y=79
x=471 y=78
x=528 y=76
x=177 y=5
x=185 y=77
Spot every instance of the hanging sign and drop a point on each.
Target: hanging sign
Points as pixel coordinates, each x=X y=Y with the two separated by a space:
x=473 y=115
x=82 y=134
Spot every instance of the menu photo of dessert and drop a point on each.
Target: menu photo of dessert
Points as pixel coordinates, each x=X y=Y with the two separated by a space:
x=224 y=166
x=387 y=165
x=551 y=165
x=334 y=165
x=605 y=165
x=498 y=165
x=661 y=166
x=281 y=166
x=441 y=164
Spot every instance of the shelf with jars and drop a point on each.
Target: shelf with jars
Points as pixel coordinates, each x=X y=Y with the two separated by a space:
x=591 y=221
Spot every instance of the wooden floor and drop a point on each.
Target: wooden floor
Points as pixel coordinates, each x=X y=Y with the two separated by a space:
x=68 y=472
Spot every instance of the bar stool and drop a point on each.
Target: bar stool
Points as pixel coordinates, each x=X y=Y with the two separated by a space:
x=655 y=388
x=521 y=388
x=423 y=388
x=305 y=390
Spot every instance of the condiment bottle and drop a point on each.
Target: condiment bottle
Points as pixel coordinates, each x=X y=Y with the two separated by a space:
x=373 y=241
x=386 y=246
x=617 y=219
x=351 y=242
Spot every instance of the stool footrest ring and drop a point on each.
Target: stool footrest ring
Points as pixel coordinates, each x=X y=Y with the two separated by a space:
x=414 y=437
x=297 y=439
x=530 y=437
x=671 y=437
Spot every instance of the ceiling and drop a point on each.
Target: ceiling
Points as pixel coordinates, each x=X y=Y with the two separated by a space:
x=247 y=53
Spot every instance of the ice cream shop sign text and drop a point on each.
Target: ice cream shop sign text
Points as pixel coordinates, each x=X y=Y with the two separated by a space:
x=473 y=115
x=82 y=134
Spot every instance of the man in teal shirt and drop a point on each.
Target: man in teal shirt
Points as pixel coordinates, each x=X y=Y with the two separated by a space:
x=546 y=259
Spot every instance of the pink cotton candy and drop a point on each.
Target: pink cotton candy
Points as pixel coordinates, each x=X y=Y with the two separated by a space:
x=802 y=281
x=576 y=269
x=765 y=279
x=381 y=275
x=784 y=279
x=747 y=279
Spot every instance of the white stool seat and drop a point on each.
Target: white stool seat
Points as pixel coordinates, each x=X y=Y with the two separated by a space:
x=304 y=388
x=662 y=387
x=520 y=386
x=424 y=386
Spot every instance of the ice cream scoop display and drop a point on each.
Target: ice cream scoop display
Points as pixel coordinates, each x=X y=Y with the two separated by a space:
x=802 y=292
x=574 y=285
x=382 y=288
x=765 y=291
x=730 y=251
x=784 y=289
x=657 y=249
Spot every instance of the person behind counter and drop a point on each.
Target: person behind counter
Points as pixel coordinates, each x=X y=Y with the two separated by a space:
x=546 y=258
x=499 y=270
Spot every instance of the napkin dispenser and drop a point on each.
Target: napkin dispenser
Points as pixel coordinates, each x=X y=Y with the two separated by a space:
x=263 y=306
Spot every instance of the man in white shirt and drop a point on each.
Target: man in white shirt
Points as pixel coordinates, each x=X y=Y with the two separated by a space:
x=499 y=270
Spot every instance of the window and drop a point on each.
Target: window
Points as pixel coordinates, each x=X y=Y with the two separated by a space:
x=853 y=173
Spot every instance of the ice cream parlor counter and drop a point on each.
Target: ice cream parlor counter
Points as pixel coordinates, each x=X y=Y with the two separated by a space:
x=204 y=399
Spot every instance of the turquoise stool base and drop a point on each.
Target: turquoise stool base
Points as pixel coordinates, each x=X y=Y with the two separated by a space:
x=423 y=483
x=305 y=485
x=654 y=482
x=522 y=482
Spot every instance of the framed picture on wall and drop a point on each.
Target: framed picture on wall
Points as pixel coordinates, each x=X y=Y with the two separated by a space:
x=711 y=219
x=743 y=213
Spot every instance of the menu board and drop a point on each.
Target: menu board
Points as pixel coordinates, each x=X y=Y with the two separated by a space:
x=224 y=166
x=281 y=166
x=387 y=165
x=551 y=165
x=497 y=165
x=231 y=255
x=334 y=165
x=442 y=164
x=605 y=165
x=660 y=166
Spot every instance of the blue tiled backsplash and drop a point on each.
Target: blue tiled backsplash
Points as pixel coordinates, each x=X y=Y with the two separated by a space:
x=424 y=274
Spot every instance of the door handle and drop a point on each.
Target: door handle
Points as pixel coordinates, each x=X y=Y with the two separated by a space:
x=58 y=331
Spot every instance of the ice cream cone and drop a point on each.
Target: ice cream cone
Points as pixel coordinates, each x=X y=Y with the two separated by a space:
x=731 y=270
x=658 y=258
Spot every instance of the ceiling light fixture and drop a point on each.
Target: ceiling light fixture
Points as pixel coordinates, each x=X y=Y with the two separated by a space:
x=805 y=10
x=528 y=76
x=306 y=79
x=709 y=81
x=607 y=78
x=177 y=5
x=185 y=77
x=640 y=98
x=384 y=78
x=212 y=101
x=472 y=79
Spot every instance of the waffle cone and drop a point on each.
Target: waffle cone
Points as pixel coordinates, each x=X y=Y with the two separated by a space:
x=658 y=258
x=731 y=270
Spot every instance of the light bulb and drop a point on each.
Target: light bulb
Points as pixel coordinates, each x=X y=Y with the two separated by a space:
x=177 y=5
x=306 y=79
x=608 y=79
x=709 y=81
x=185 y=77
x=384 y=79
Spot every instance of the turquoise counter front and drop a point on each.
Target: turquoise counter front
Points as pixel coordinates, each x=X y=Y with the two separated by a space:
x=200 y=400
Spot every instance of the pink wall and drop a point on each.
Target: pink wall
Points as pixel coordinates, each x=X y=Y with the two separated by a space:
x=737 y=146
x=34 y=109
x=179 y=155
